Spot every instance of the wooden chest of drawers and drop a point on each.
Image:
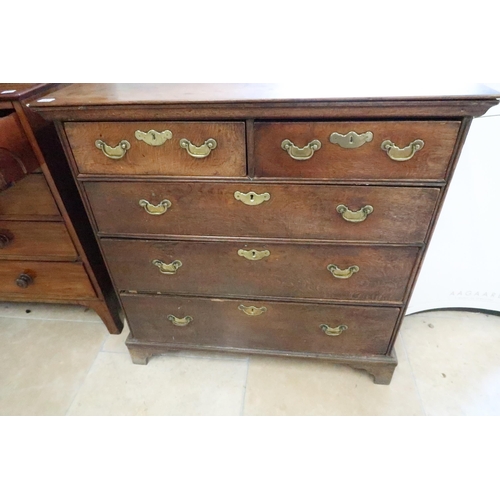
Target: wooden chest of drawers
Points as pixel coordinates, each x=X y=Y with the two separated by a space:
x=244 y=218
x=48 y=252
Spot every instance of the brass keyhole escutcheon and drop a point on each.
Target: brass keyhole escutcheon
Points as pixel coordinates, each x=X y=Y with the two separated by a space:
x=254 y=254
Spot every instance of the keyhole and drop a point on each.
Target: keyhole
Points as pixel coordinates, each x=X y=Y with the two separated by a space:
x=251 y=198
x=351 y=139
x=254 y=253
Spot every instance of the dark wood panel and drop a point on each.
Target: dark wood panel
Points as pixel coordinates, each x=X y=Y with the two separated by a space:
x=366 y=162
x=400 y=215
x=283 y=327
x=36 y=240
x=62 y=280
x=298 y=271
x=16 y=156
x=227 y=159
x=29 y=198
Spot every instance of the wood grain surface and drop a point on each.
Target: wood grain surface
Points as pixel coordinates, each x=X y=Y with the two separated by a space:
x=367 y=162
x=400 y=215
x=228 y=159
x=283 y=327
x=298 y=271
x=37 y=240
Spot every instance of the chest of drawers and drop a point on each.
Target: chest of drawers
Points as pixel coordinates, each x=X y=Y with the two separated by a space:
x=255 y=219
x=48 y=252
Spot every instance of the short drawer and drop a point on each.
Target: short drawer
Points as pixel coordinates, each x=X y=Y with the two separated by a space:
x=343 y=272
x=44 y=280
x=263 y=325
x=35 y=240
x=371 y=214
x=29 y=199
x=392 y=150
x=16 y=156
x=159 y=148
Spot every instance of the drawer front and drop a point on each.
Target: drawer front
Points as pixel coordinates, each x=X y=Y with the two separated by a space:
x=172 y=148
x=279 y=270
x=49 y=280
x=30 y=199
x=30 y=240
x=16 y=156
x=291 y=211
x=282 y=327
x=357 y=156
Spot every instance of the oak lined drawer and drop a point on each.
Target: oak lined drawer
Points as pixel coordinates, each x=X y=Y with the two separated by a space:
x=341 y=160
x=29 y=199
x=282 y=327
x=40 y=240
x=400 y=215
x=225 y=157
x=283 y=270
x=51 y=280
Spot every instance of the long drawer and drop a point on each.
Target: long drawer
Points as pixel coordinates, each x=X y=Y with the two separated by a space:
x=161 y=148
x=45 y=280
x=343 y=272
x=35 y=240
x=371 y=214
x=281 y=326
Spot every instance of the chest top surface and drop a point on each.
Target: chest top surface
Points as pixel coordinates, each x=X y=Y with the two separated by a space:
x=92 y=101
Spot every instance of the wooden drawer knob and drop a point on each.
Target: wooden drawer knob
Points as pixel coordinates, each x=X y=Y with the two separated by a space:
x=24 y=280
x=5 y=239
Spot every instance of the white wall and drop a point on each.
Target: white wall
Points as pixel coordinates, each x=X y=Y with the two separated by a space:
x=462 y=265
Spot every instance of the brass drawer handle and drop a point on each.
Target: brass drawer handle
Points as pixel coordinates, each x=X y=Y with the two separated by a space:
x=115 y=153
x=403 y=154
x=304 y=153
x=153 y=138
x=254 y=254
x=351 y=140
x=159 y=209
x=252 y=198
x=333 y=332
x=342 y=274
x=252 y=310
x=358 y=216
x=167 y=268
x=179 y=321
x=198 y=151
x=24 y=280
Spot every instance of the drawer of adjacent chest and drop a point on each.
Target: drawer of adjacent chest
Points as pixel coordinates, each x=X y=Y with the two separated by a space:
x=392 y=150
x=372 y=214
x=342 y=272
x=261 y=325
x=35 y=240
x=159 y=148
x=47 y=280
x=29 y=199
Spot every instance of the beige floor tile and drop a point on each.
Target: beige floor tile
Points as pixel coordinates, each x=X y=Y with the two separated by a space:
x=278 y=386
x=168 y=385
x=43 y=363
x=455 y=358
x=59 y=312
x=116 y=343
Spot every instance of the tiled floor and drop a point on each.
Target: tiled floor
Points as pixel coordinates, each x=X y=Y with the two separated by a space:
x=60 y=360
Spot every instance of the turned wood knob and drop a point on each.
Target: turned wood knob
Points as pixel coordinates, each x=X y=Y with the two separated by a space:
x=5 y=239
x=24 y=280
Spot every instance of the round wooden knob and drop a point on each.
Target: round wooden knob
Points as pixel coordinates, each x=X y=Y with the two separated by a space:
x=24 y=280
x=5 y=239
